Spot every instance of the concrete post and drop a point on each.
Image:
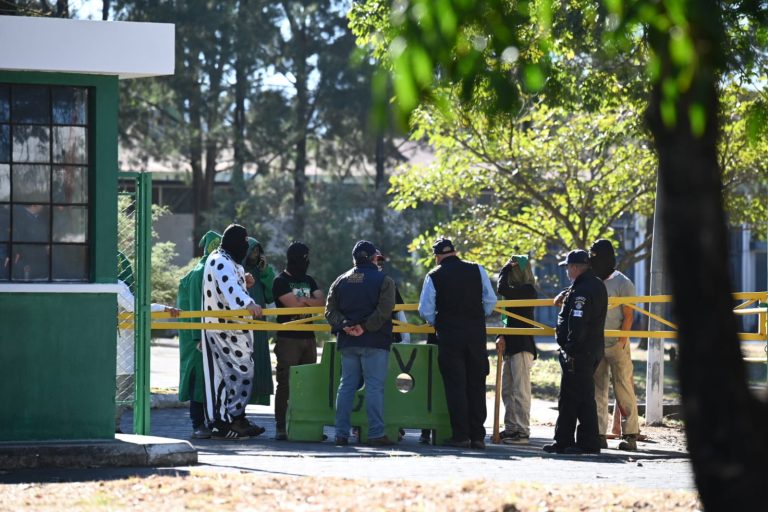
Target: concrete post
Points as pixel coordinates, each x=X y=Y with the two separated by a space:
x=654 y=376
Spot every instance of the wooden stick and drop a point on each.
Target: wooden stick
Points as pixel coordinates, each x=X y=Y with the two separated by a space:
x=496 y=438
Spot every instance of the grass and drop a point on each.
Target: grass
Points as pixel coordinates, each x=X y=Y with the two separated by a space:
x=545 y=378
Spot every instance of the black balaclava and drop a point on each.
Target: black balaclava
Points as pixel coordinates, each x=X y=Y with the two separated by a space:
x=235 y=243
x=297 y=257
x=602 y=258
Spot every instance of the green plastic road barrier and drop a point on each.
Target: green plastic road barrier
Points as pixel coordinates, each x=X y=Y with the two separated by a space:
x=418 y=404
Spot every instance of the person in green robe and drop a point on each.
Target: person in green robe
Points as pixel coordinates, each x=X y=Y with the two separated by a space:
x=191 y=385
x=255 y=263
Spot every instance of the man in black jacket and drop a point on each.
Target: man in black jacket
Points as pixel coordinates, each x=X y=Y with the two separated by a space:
x=579 y=333
x=516 y=283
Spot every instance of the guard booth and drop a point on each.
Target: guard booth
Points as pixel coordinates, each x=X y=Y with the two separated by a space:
x=58 y=217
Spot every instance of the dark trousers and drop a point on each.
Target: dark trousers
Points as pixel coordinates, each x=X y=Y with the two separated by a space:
x=289 y=352
x=464 y=367
x=196 y=409
x=577 y=402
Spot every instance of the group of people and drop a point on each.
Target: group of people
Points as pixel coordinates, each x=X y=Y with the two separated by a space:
x=222 y=371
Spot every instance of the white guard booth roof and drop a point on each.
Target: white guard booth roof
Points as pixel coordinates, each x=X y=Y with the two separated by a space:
x=126 y=49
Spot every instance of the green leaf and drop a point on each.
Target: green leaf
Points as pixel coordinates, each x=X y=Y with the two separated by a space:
x=697 y=116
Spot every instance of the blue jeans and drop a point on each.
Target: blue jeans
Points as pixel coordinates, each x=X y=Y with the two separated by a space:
x=371 y=364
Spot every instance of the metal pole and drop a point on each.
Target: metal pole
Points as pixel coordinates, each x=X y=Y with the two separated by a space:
x=141 y=413
x=654 y=373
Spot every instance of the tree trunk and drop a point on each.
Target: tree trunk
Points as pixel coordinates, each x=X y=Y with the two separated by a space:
x=380 y=189
x=105 y=5
x=725 y=422
x=302 y=109
x=238 y=124
x=196 y=162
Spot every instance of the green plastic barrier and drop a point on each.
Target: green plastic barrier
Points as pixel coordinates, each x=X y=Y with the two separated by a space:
x=423 y=406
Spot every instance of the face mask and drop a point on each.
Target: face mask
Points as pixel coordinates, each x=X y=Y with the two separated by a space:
x=235 y=243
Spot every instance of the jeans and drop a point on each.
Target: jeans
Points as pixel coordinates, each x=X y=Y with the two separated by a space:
x=371 y=364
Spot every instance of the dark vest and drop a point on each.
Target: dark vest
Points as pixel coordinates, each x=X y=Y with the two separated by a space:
x=460 y=317
x=358 y=295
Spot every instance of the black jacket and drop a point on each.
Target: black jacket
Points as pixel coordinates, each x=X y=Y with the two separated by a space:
x=523 y=342
x=581 y=320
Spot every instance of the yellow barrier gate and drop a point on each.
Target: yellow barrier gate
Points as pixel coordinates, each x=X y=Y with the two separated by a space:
x=315 y=321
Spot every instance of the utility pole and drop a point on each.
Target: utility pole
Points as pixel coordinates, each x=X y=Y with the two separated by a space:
x=654 y=373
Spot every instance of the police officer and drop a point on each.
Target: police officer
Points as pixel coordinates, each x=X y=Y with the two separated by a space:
x=456 y=297
x=579 y=333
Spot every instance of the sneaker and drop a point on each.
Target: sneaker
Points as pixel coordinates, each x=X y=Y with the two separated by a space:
x=455 y=443
x=554 y=448
x=341 y=441
x=245 y=427
x=281 y=436
x=201 y=432
x=504 y=434
x=380 y=441
x=224 y=431
x=515 y=438
x=604 y=442
x=477 y=444
x=578 y=450
x=629 y=444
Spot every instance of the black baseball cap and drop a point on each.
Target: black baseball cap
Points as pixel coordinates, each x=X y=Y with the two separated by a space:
x=442 y=246
x=364 y=250
x=577 y=256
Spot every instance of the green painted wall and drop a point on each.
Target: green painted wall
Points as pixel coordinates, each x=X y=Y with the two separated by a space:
x=57 y=370
x=57 y=351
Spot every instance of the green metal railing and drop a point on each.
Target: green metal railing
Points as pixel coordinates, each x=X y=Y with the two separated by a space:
x=134 y=247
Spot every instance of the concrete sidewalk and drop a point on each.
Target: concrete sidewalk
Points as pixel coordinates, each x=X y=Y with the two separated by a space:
x=658 y=464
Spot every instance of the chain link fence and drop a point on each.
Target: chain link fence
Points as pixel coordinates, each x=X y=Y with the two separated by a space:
x=126 y=263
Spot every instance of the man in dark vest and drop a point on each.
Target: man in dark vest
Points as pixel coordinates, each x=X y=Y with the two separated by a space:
x=359 y=310
x=579 y=332
x=456 y=297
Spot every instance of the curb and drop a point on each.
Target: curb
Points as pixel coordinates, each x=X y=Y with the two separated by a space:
x=124 y=450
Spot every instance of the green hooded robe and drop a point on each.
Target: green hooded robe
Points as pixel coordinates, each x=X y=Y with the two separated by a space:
x=190 y=299
x=261 y=293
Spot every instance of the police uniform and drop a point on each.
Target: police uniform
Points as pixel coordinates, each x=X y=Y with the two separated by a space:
x=579 y=333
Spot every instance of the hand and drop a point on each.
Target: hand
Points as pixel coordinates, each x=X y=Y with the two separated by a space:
x=559 y=299
x=255 y=309
x=249 y=280
x=623 y=342
x=173 y=311
x=354 y=330
x=501 y=345
x=262 y=263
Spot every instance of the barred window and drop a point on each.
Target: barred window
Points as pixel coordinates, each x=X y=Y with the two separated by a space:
x=44 y=161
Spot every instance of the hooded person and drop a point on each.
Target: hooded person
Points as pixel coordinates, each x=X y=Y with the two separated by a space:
x=617 y=358
x=189 y=298
x=228 y=353
x=293 y=288
x=516 y=282
x=255 y=263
